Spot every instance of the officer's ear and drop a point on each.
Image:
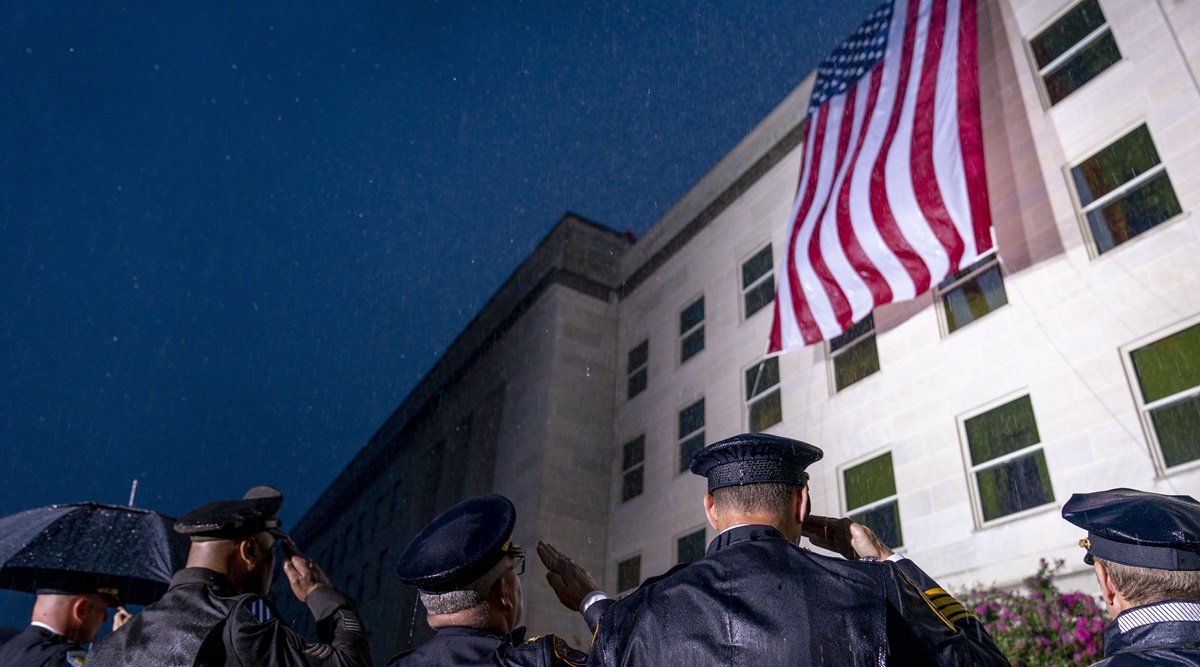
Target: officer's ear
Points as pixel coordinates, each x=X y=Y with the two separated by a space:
x=248 y=551
x=1107 y=589
x=710 y=511
x=800 y=506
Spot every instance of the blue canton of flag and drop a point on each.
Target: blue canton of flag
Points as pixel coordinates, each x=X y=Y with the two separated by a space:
x=853 y=59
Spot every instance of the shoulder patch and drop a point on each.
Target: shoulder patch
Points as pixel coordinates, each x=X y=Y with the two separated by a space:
x=567 y=654
x=75 y=657
x=350 y=620
x=951 y=608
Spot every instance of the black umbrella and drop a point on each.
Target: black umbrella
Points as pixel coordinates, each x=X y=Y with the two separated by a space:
x=128 y=548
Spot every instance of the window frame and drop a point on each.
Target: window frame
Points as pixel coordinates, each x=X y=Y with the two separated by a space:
x=832 y=354
x=748 y=403
x=843 y=492
x=1143 y=409
x=939 y=292
x=696 y=328
x=1039 y=73
x=636 y=466
x=679 y=440
x=1081 y=212
x=643 y=368
x=698 y=528
x=744 y=290
x=971 y=469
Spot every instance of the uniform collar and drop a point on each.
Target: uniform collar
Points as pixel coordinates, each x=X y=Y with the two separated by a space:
x=201 y=575
x=743 y=533
x=517 y=636
x=1167 y=623
x=43 y=626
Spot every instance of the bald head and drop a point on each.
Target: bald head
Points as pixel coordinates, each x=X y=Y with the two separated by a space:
x=76 y=617
x=248 y=562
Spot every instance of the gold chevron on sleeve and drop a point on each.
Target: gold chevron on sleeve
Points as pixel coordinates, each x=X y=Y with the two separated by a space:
x=951 y=608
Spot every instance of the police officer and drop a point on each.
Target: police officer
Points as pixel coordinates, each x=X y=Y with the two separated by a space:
x=215 y=612
x=65 y=618
x=467 y=570
x=756 y=598
x=1146 y=551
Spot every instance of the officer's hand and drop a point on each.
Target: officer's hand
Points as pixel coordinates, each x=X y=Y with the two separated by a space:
x=852 y=540
x=571 y=583
x=120 y=617
x=304 y=575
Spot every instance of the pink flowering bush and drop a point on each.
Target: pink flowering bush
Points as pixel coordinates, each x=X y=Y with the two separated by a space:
x=1042 y=626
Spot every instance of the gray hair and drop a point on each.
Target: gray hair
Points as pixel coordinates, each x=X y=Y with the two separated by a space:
x=1145 y=585
x=473 y=595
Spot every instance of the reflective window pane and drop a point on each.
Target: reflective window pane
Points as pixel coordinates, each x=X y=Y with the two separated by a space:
x=631 y=486
x=973 y=298
x=855 y=363
x=636 y=383
x=766 y=412
x=1066 y=32
x=1015 y=485
x=756 y=267
x=1003 y=430
x=760 y=297
x=633 y=452
x=1177 y=426
x=629 y=574
x=639 y=355
x=691 y=418
x=692 y=345
x=688 y=449
x=1169 y=365
x=870 y=481
x=691 y=548
x=757 y=382
x=857 y=330
x=691 y=316
x=1138 y=211
x=1097 y=56
x=1115 y=165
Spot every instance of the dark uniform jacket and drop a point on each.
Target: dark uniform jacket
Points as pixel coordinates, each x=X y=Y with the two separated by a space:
x=756 y=599
x=469 y=646
x=201 y=621
x=38 y=647
x=1163 y=633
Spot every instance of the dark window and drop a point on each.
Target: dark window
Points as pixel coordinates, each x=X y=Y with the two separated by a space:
x=971 y=293
x=854 y=353
x=871 y=498
x=758 y=282
x=1168 y=374
x=633 y=456
x=629 y=574
x=1124 y=190
x=765 y=407
x=691 y=433
x=1009 y=468
x=639 y=360
x=691 y=547
x=1074 y=49
x=691 y=330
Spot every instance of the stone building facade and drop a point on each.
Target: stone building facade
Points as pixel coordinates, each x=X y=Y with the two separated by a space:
x=956 y=424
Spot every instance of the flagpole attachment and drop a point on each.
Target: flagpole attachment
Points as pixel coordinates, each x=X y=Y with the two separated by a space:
x=132 y=493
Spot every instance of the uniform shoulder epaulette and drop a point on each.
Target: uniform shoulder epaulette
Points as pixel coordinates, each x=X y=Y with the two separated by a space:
x=257 y=607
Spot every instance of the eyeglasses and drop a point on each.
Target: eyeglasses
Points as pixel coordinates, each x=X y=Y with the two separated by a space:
x=518 y=565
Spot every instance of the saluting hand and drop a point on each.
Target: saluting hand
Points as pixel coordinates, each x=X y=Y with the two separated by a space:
x=304 y=575
x=852 y=540
x=120 y=617
x=571 y=583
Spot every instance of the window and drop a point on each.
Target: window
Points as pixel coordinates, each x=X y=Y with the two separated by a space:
x=854 y=354
x=690 y=547
x=691 y=330
x=763 y=402
x=1073 y=50
x=1124 y=190
x=629 y=574
x=1008 y=468
x=1168 y=377
x=691 y=433
x=758 y=282
x=968 y=294
x=633 y=458
x=639 y=360
x=870 y=489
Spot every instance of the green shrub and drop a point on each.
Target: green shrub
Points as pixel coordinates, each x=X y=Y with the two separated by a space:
x=1041 y=626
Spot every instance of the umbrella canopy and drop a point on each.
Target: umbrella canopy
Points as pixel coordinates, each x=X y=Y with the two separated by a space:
x=131 y=549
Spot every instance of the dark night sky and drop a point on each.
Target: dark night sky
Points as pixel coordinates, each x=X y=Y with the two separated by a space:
x=233 y=238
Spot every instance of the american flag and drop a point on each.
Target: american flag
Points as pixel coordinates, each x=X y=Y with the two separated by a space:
x=892 y=195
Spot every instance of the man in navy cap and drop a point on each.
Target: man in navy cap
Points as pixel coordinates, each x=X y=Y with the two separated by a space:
x=216 y=613
x=756 y=598
x=66 y=616
x=467 y=569
x=1146 y=551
